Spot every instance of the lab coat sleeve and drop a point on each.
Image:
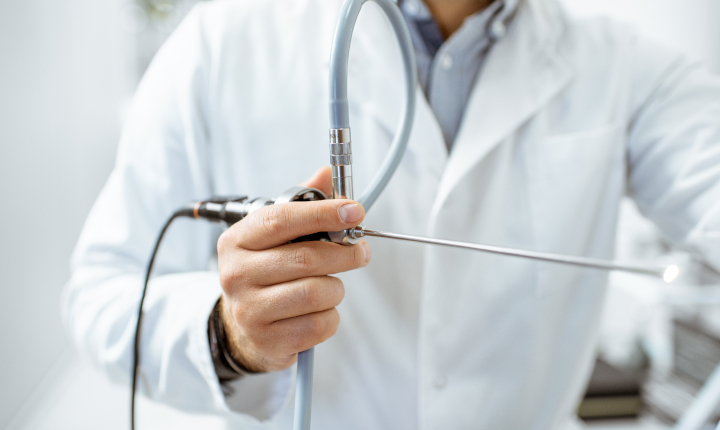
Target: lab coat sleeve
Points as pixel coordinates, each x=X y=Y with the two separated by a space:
x=674 y=149
x=162 y=164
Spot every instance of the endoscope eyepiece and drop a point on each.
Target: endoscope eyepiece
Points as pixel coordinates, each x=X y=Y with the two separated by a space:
x=228 y=209
x=231 y=209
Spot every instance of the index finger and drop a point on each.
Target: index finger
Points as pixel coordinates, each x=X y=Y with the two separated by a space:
x=275 y=225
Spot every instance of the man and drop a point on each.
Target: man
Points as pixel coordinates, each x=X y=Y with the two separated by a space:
x=533 y=128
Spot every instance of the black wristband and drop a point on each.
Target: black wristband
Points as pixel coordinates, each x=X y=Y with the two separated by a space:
x=226 y=367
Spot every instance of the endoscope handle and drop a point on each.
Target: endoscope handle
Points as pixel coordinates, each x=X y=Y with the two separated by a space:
x=232 y=209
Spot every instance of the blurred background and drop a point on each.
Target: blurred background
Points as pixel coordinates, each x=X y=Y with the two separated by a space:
x=68 y=69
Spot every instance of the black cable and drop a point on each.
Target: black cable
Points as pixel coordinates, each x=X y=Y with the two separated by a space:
x=214 y=209
x=136 y=352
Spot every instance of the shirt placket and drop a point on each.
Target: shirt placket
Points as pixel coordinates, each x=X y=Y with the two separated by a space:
x=447 y=69
x=455 y=68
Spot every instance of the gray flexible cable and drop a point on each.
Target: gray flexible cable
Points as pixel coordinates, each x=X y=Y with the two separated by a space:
x=303 y=389
x=340 y=118
x=339 y=111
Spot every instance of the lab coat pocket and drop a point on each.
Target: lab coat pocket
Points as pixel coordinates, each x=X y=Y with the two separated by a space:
x=576 y=181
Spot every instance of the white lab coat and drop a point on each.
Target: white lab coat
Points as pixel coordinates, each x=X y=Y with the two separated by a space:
x=565 y=118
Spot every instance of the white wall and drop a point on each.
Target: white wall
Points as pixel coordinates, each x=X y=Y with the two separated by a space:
x=713 y=19
x=63 y=71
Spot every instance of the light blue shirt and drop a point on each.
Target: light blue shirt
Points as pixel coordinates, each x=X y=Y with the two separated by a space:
x=447 y=69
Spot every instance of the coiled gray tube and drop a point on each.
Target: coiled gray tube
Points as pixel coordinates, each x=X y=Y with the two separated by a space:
x=340 y=118
x=339 y=111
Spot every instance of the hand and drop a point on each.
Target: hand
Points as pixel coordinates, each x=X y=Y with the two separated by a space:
x=278 y=299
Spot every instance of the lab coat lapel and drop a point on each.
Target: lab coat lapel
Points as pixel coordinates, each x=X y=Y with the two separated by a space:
x=376 y=87
x=522 y=74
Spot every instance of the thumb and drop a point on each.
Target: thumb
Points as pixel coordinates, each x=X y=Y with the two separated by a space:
x=322 y=180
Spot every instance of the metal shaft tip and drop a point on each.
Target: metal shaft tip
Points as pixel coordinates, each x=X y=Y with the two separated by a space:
x=670 y=273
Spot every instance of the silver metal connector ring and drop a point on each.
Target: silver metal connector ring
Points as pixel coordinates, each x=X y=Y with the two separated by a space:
x=339 y=135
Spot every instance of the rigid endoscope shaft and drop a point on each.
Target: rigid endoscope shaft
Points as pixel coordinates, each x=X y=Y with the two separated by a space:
x=668 y=273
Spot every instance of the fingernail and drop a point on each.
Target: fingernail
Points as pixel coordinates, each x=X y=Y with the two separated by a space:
x=350 y=213
x=368 y=252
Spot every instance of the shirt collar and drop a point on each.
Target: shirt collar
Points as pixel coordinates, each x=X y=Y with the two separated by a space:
x=494 y=18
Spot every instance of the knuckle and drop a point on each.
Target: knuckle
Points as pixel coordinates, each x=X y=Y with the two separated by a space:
x=355 y=255
x=222 y=243
x=230 y=239
x=246 y=312
x=255 y=312
x=272 y=221
x=311 y=294
x=317 y=216
x=232 y=276
x=303 y=258
x=227 y=279
x=227 y=270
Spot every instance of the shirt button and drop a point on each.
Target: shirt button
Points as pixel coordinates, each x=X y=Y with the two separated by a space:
x=411 y=7
x=446 y=62
x=439 y=383
x=498 y=29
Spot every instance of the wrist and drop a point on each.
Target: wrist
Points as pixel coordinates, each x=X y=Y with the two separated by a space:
x=227 y=367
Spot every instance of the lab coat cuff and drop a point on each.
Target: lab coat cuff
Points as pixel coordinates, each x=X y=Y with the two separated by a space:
x=200 y=348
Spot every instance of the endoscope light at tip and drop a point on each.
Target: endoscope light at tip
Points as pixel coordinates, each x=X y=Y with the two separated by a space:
x=671 y=273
